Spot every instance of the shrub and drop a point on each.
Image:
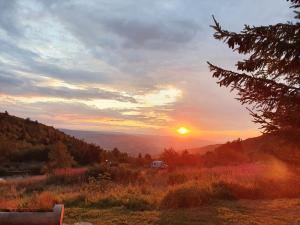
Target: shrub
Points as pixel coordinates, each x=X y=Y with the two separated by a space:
x=124 y=175
x=184 y=197
x=94 y=171
x=195 y=195
x=42 y=201
x=119 y=174
x=222 y=190
x=6 y=204
x=46 y=200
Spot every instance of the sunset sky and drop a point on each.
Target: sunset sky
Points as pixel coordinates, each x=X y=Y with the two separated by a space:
x=124 y=65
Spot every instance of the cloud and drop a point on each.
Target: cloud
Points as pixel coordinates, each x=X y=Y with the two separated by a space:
x=8 y=80
x=142 y=24
x=8 y=22
x=15 y=53
x=15 y=85
x=152 y=35
x=97 y=64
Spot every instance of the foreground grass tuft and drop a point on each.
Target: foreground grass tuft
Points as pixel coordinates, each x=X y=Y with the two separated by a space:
x=195 y=195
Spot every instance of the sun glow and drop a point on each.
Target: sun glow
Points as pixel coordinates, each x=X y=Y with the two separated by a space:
x=183 y=130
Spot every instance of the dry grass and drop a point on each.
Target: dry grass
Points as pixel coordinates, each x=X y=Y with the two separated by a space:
x=241 y=212
x=158 y=190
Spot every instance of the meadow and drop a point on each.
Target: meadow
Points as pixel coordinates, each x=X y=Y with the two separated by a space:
x=253 y=193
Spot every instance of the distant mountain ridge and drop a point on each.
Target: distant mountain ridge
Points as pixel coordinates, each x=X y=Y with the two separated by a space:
x=137 y=143
x=204 y=149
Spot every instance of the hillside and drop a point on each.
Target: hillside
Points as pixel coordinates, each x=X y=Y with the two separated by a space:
x=283 y=145
x=136 y=143
x=24 y=140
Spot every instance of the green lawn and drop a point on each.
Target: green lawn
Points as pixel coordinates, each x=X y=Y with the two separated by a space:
x=243 y=212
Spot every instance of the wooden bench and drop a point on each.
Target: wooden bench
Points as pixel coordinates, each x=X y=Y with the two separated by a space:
x=53 y=217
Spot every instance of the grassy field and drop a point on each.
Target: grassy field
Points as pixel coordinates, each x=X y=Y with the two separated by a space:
x=242 y=212
x=260 y=193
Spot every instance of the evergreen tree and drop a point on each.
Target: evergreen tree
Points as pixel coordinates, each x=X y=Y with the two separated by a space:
x=269 y=78
x=148 y=157
x=116 y=154
x=140 y=156
x=140 y=161
x=59 y=156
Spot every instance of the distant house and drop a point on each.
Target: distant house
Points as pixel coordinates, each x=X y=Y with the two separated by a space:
x=158 y=164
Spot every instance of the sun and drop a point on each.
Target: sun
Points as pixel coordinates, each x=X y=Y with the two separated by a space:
x=183 y=130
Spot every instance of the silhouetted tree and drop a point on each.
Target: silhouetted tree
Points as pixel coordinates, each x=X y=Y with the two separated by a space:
x=140 y=156
x=140 y=161
x=124 y=157
x=148 y=158
x=170 y=156
x=269 y=78
x=59 y=157
x=5 y=148
x=186 y=159
x=116 y=153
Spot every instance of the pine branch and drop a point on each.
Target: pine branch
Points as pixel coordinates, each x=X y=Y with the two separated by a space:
x=266 y=124
x=261 y=93
x=219 y=73
x=270 y=77
x=275 y=41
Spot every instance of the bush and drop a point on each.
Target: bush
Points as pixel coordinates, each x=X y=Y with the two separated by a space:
x=46 y=200
x=125 y=175
x=195 y=195
x=43 y=201
x=118 y=174
x=184 y=197
x=94 y=171
x=222 y=190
